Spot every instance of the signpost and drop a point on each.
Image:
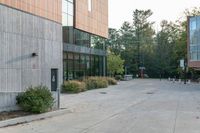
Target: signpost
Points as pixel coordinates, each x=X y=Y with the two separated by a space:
x=183 y=65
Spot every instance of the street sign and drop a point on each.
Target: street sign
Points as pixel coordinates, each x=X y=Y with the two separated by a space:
x=182 y=63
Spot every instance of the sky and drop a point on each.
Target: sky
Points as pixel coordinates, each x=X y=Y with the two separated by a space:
x=171 y=10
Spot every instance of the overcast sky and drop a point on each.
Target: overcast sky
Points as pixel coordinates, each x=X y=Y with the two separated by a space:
x=121 y=10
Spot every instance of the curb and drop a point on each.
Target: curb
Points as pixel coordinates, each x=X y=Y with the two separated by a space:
x=30 y=118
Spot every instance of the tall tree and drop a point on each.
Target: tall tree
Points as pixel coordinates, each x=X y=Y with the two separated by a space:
x=115 y=64
x=113 y=42
x=144 y=33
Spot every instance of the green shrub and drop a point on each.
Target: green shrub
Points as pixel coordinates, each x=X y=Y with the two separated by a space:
x=73 y=87
x=102 y=82
x=96 y=82
x=118 y=77
x=111 y=81
x=36 y=99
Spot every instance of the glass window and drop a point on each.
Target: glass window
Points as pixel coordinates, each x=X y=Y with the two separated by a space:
x=193 y=48
x=71 y=1
x=193 y=25
x=92 y=66
x=198 y=56
x=97 y=65
x=70 y=20
x=76 y=61
x=70 y=56
x=82 y=65
x=64 y=6
x=65 y=69
x=82 y=38
x=65 y=56
x=101 y=66
x=88 y=62
x=64 y=19
x=70 y=9
x=198 y=24
x=194 y=56
x=194 y=38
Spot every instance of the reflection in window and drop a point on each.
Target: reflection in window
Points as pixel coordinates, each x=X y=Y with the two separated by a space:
x=82 y=38
x=70 y=8
x=64 y=19
x=68 y=35
x=64 y=6
x=71 y=1
x=77 y=66
x=193 y=25
x=70 y=20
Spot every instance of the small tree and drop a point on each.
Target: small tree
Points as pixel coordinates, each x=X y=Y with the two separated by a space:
x=115 y=64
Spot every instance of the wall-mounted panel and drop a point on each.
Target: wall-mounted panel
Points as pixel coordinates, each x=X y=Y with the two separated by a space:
x=92 y=16
x=50 y=9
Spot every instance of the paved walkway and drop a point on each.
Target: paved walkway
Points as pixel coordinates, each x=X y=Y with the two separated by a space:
x=138 y=106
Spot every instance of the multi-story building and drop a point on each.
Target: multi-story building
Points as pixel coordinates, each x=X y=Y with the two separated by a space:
x=44 y=41
x=194 y=42
x=84 y=20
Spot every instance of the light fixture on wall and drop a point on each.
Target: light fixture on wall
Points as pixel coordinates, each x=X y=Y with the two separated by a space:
x=34 y=54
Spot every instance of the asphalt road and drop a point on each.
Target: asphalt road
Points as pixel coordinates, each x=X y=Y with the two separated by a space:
x=137 y=106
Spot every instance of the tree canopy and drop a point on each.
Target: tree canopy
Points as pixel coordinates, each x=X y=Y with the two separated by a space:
x=159 y=52
x=115 y=64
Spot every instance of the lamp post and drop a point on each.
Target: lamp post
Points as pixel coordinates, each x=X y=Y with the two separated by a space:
x=185 y=72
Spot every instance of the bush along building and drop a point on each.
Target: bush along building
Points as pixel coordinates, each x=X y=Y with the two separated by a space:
x=84 y=20
x=46 y=41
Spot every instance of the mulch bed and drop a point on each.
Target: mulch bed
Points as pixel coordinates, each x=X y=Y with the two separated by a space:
x=12 y=114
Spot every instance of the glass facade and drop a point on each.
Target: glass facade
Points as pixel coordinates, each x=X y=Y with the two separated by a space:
x=194 y=45
x=78 y=65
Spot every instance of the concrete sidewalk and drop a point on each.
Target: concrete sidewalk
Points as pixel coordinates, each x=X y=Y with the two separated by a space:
x=138 y=106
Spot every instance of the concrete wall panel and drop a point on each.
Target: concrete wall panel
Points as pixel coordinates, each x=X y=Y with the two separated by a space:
x=22 y=34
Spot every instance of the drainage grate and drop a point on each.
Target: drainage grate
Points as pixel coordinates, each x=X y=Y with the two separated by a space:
x=103 y=92
x=150 y=93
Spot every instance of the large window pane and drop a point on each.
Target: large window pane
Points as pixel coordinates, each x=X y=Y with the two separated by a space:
x=64 y=6
x=70 y=8
x=65 y=69
x=194 y=38
x=64 y=19
x=71 y=1
x=198 y=56
x=70 y=20
x=194 y=56
x=193 y=24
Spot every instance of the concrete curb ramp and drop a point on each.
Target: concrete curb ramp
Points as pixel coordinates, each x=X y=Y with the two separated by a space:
x=30 y=118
